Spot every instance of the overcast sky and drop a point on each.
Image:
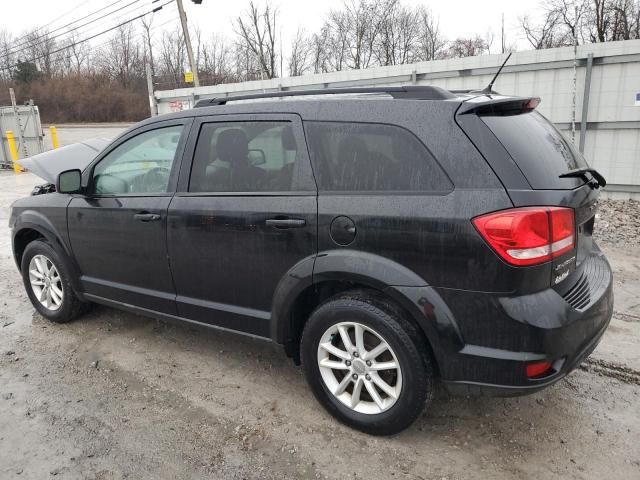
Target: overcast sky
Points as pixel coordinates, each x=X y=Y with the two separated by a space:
x=457 y=18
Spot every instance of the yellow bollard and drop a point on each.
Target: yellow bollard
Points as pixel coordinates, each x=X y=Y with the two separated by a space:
x=13 y=151
x=54 y=137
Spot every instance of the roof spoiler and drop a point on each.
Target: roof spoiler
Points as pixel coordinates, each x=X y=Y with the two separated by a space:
x=501 y=106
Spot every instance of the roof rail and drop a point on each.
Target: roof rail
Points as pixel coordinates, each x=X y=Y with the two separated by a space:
x=412 y=92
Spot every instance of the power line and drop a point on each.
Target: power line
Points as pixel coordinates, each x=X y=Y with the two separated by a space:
x=49 y=38
x=26 y=41
x=93 y=36
x=62 y=16
x=136 y=31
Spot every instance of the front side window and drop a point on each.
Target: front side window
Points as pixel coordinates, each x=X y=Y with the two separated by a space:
x=244 y=157
x=368 y=157
x=141 y=164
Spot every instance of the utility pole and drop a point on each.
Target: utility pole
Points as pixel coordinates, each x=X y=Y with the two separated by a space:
x=153 y=105
x=187 y=41
x=575 y=77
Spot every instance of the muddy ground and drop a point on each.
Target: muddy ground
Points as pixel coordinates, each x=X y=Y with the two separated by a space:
x=114 y=395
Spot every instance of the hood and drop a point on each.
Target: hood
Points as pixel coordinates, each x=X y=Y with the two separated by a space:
x=49 y=164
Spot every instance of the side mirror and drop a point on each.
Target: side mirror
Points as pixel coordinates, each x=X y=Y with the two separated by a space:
x=69 y=181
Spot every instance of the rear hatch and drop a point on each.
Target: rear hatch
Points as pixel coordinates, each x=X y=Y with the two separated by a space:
x=538 y=166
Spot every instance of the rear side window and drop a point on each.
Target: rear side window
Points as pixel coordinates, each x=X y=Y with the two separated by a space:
x=244 y=157
x=538 y=148
x=372 y=157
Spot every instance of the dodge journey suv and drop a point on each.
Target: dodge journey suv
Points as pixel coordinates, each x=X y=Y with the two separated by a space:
x=388 y=238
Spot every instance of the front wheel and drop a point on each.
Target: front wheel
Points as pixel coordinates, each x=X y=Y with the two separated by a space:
x=366 y=364
x=46 y=278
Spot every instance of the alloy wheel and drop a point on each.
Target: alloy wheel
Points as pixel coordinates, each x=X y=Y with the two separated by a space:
x=359 y=368
x=46 y=282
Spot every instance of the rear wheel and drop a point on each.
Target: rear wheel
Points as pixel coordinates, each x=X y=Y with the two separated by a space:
x=46 y=278
x=366 y=363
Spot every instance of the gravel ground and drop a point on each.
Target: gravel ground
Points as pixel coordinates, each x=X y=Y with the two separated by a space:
x=118 y=396
x=618 y=222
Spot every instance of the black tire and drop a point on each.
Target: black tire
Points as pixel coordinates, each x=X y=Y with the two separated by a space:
x=71 y=306
x=417 y=371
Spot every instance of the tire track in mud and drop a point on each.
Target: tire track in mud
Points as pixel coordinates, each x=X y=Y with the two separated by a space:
x=611 y=369
x=626 y=317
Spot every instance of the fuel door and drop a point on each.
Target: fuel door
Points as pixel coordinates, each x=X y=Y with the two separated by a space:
x=343 y=230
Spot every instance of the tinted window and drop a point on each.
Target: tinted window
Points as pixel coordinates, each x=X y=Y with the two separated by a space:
x=244 y=157
x=371 y=157
x=141 y=164
x=539 y=149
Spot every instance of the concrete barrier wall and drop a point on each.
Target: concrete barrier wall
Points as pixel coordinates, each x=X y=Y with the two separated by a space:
x=612 y=127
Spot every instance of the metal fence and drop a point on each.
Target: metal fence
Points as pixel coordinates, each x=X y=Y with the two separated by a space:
x=24 y=122
x=607 y=94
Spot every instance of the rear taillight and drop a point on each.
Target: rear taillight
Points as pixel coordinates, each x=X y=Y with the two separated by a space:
x=530 y=235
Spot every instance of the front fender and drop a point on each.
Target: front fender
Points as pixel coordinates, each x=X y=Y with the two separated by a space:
x=34 y=220
x=56 y=235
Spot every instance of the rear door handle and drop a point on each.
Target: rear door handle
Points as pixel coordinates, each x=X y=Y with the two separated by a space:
x=146 y=217
x=286 y=222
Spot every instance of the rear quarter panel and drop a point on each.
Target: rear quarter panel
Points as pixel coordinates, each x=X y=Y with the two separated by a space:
x=429 y=233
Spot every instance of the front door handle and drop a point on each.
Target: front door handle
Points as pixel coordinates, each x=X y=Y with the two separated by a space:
x=286 y=222
x=146 y=217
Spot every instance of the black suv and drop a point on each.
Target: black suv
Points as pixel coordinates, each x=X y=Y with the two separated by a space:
x=385 y=237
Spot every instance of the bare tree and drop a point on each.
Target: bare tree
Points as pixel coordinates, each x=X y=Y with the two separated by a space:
x=247 y=66
x=468 y=47
x=146 y=33
x=121 y=58
x=256 y=30
x=76 y=55
x=352 y=33
x=363 y=24
x=336 y=41
x=6 y=54
x=571 y=14
x=197 y=36
x=301 y=56
x=549 y=34
x=611 y=20
x=489 y=38
x=319 y=51
x=568 y=21
x=398 y=33
x=216 y=62
x=622 y=19
x=172 y=57
x=431 y=44
x=38 y=47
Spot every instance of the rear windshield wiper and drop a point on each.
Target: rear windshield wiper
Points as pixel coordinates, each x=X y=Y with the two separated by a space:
x=594 y=176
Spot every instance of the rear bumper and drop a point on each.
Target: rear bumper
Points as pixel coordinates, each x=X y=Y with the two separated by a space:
x=503 y=334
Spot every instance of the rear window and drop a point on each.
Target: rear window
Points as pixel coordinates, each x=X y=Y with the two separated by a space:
x=539 y=149
x=367 y=157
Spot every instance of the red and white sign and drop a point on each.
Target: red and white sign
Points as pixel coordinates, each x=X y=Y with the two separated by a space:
x=178 y=106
